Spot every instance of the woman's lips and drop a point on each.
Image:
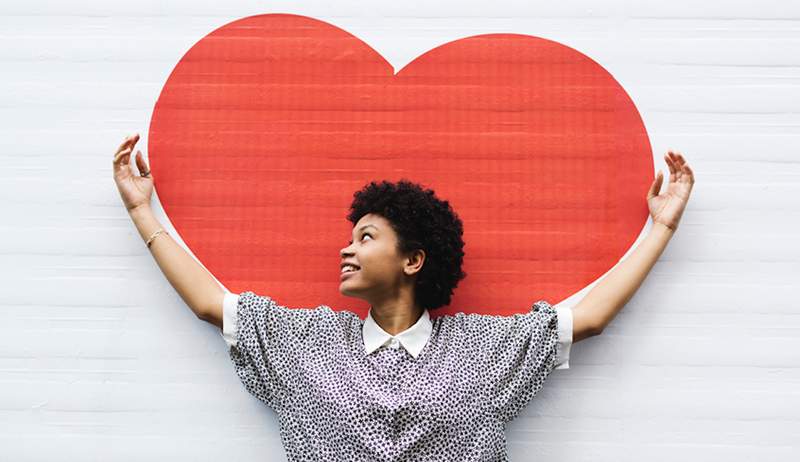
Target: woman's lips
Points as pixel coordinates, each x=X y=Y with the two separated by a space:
x=348 y=274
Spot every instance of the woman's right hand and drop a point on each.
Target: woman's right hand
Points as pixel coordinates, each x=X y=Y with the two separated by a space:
x=135 y=190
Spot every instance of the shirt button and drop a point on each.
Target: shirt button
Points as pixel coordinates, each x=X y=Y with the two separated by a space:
x=394 y=343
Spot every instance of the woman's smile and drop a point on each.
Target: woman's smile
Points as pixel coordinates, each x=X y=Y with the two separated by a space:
x=347 y=274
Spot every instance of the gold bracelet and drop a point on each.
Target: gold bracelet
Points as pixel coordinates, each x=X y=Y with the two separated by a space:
x=153 y=236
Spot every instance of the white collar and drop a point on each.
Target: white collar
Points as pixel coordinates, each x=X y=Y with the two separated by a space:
x=412 y=339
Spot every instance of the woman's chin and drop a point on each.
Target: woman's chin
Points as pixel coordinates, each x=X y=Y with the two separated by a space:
x=347 y=291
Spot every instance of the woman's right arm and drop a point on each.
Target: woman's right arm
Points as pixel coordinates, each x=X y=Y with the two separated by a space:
x=190 y=279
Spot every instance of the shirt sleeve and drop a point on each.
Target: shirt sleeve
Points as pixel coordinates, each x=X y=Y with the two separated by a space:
x=266 y=343
x=230 y=303
x=523 y=351
x=564 y=336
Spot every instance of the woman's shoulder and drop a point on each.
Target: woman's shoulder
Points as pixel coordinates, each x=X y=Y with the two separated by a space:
x=480 y=324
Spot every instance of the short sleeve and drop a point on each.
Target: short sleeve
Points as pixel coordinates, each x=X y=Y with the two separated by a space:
x=523 y=351
x=266 y=344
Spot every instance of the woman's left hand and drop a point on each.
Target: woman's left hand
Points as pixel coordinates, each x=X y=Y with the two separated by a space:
x=666 y=208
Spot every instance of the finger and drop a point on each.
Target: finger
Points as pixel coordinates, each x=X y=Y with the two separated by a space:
x=131 y=138
x=679 y=158
x=673 y=155
x=671 y=165
x=655 y=187
x=679 y=163
x=686 y=171
x=124 y=143
x=120 y=155
x=140 y=163
x=689 y=173
x=121 y=161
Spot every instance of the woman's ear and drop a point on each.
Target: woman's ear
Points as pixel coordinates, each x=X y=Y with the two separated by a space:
x=415 y=262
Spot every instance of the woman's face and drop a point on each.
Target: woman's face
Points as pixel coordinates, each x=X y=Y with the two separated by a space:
x=380 y=271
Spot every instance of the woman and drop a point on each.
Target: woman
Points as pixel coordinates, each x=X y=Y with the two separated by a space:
x=398 y=385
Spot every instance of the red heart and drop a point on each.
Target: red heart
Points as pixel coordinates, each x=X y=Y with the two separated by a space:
x=267 y=126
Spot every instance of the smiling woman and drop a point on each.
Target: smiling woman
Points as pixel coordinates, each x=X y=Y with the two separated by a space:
x=399 y=385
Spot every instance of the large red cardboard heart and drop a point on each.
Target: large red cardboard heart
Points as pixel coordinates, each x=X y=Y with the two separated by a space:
x=268 y=125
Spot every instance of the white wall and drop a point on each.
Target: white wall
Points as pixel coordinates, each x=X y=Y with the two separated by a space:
x=101 y=360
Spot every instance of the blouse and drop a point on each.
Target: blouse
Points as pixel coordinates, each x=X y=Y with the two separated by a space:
x=345 y=390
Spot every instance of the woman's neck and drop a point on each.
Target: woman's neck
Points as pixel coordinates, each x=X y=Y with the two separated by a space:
x=396 y=317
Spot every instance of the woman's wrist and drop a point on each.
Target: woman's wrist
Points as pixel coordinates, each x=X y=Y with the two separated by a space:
x=662 y=229
x=145 y=221
x=140 y=210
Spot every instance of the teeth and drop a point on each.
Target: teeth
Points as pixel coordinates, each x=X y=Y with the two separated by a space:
x=348 y=268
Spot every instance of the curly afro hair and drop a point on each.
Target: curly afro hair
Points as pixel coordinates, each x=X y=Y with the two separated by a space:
x=421 y=221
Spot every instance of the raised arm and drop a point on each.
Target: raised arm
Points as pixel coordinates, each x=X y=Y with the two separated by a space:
x=190 y=279
x=595 y=311
x=194 y=284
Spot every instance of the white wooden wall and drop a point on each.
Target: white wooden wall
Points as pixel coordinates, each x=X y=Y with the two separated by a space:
x=101 y=360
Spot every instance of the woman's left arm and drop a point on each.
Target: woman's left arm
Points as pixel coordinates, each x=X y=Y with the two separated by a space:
x=595 y=311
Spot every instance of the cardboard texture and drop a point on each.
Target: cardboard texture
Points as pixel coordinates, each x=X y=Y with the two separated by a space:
x=269 y=124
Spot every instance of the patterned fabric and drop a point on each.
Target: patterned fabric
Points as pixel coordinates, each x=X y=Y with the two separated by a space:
x=335 y=402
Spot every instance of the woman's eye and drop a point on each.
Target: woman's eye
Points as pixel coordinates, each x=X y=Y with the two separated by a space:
x=362 y=238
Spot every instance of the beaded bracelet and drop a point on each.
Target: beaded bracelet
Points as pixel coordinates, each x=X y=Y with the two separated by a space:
x=153 y=236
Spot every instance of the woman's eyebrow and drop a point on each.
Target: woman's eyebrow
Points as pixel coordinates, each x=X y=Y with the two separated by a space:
x=366 y=226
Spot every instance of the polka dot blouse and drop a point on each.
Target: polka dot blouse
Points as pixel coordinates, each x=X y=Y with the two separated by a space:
x=345 y=390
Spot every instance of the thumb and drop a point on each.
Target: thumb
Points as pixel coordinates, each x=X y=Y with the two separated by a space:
x=656 y=186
